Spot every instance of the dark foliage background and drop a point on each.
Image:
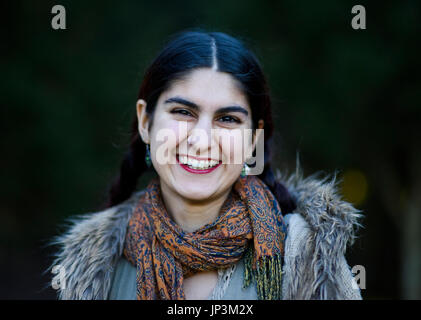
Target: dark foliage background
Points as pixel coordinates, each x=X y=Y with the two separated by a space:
x=347 y=100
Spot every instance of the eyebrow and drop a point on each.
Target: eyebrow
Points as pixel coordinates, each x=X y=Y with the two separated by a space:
x=194 y=106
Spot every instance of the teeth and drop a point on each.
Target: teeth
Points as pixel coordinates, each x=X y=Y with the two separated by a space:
x=198 y=164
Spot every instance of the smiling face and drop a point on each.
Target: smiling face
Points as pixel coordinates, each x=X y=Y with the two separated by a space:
x=197 y=112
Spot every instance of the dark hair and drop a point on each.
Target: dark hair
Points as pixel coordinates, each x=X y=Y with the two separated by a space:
x=185 y=52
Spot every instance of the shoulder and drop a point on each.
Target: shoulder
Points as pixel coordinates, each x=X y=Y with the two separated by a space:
x=312 y=270
x=318 y=233
x=321 y=209
x=89 y=251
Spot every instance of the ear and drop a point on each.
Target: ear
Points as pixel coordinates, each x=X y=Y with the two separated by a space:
x=143 y=120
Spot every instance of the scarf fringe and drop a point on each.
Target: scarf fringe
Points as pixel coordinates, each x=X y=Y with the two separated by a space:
x=267 y=274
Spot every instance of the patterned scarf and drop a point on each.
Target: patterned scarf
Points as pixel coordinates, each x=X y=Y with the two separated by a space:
x=250 y=225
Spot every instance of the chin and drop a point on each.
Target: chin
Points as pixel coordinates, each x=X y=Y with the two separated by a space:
x=196 y=191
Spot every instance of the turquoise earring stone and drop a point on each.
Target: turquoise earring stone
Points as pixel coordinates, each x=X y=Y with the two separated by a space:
x=148 y=156
x=243 y=171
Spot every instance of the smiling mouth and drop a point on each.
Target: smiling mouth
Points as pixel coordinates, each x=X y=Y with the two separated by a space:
x=197 y=166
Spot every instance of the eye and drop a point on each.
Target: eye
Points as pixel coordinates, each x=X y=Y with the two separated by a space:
x=183 y=112
x=229 y=119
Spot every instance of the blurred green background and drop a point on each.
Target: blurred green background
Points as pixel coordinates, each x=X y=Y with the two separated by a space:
x=347 y=100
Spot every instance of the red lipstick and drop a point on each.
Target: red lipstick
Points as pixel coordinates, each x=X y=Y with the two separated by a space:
x=197 y=171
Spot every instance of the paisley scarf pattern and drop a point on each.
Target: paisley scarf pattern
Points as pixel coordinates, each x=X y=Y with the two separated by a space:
x=250 y=225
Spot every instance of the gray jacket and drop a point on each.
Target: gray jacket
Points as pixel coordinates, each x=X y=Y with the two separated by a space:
x=90 y=265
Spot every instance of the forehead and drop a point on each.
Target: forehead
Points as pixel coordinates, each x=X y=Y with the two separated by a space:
x=209 y=89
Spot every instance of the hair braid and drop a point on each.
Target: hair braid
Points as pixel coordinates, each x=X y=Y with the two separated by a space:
x=131 y=168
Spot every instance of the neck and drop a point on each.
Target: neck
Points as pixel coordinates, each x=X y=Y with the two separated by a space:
x=191 y=215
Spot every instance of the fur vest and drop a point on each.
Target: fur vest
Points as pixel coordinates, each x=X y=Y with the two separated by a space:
x=314 y=263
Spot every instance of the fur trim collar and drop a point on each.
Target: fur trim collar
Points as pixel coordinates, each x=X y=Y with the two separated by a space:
x=89 y=250
x=317 y=271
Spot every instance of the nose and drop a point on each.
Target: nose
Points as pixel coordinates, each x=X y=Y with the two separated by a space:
x=200 y=139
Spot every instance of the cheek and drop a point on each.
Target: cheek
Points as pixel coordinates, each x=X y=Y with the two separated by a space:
x=166 y=136
x=232 y=144
x=163 y=140
x=181 y=130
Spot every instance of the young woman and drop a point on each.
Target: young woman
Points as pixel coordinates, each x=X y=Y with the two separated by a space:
x=203 y=228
